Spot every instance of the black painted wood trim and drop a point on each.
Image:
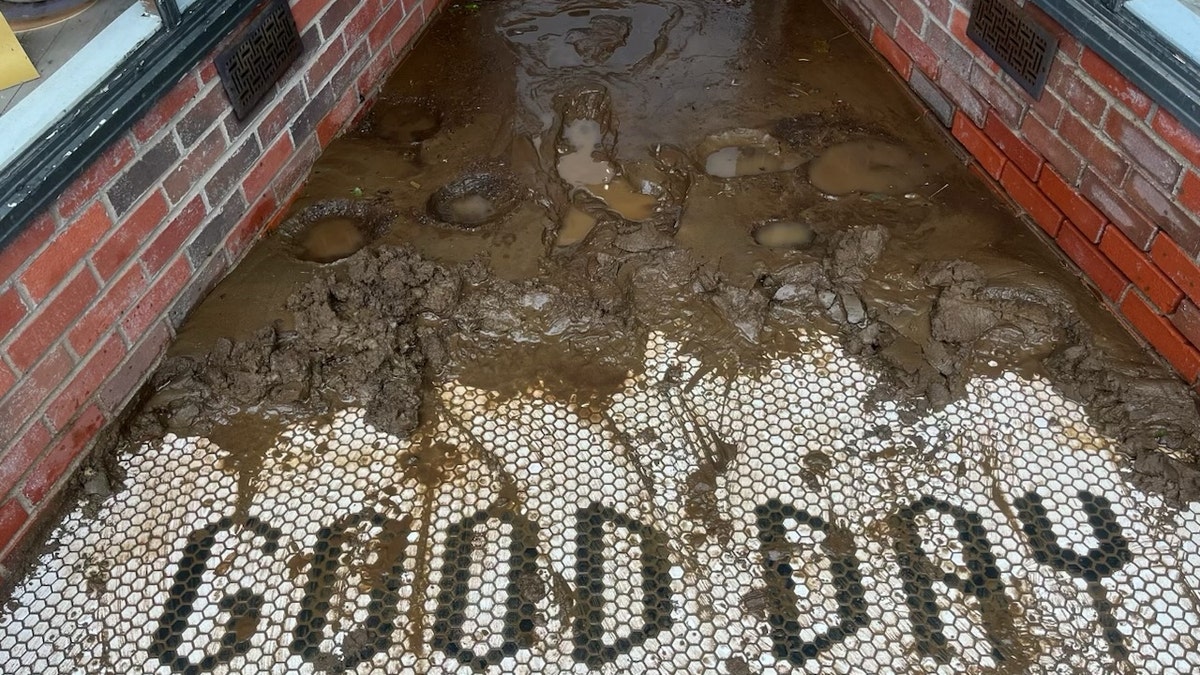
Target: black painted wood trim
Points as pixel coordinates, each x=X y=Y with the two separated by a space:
x=1137 y=52
x=36 y=177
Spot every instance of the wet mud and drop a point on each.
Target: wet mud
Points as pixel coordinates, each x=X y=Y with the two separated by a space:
x=579 y=174
x=727 y=171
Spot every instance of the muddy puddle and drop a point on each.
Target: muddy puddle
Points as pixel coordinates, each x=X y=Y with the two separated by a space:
x=543 y=186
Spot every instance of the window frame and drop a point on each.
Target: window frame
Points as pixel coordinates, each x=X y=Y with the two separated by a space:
x=1136 y=50
x=42 y=171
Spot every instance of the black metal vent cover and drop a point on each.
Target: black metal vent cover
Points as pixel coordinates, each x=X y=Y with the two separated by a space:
x=254 y=62
x=1014 y=40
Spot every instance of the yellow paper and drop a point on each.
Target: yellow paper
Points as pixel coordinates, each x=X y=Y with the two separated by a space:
x=15 y=66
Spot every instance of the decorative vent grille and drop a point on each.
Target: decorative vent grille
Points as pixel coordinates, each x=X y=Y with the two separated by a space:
x=254 y=62
x=1014 y=40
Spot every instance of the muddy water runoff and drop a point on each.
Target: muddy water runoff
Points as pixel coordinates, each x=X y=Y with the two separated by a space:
x=542 y=184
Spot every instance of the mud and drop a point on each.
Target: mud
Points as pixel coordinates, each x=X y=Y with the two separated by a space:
x=727 y=172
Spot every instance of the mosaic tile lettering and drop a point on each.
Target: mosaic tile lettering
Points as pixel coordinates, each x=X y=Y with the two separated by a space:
x=768 y=522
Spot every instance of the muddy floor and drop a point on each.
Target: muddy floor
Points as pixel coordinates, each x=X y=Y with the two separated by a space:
x=539 y=187
x=541 y=193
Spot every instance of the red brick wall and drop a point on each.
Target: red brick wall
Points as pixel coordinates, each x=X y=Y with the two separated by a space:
x=1108 y=175
x=93 y=292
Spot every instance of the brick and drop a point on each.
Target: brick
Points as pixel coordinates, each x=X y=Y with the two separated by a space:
x=330 y=56
x=1119 y=211
x=202 y=116
x=1177 y=136
x=95 y=178
x=335 y=15
x=1177 y=265
x=1074 y=206
x=12 y=311
x=154 y=303
x=7 y=379
x=1187 y=321
x=122 y=245
x=294 y=173
x=1018 y=152
x=1163 y=336
x=53 y=319
x=1049 y=108
x=1047 y=143
x=86 y=382
x=1189 y=192
x=232 y=171
x=1096 y=267
x=121 y=385
x=1117 y=85
x=375 y=74
x=1163 y=209
x=212 y=233
x=364 y=17
x=1041 y=209
x=892 y=52
x=166 y=109
x=200 y=284
x=346 y=74
x=923 y=56
x=102 y=315
x=933 y=97
x=1003 y=101
x=977 y=143
x=393 y=16
x=281 y=114
x=250 y=228
x=32 y=391
x=265 y=172
x=1103 y=158
x=144 y=174
x=46 y=474
x=318 y=107
x=18 y=251
x=911 y=13
x=1082 y=97
x=65 y=252
x=305 y=11
x=1141 y=270
x=957 y=21
x=337 y=118
x=12 y=518
x=21 y=455
x=185 y=177
x=168 y=242
x=1143 y=149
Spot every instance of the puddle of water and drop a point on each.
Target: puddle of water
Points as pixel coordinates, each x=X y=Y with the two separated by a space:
x=784 y=234
x=330 y=240
x=733 y=161
x=622 y=198
x=867 y=166
x=468 y=210
x=580 y=167
x=575 y=227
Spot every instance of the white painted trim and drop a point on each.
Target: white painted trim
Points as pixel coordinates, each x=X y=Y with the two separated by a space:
x=26 y=121
x=1176 y=21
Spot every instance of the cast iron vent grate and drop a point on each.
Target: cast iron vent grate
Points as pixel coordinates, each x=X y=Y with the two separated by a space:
x=1022 y=47
x=254 y=62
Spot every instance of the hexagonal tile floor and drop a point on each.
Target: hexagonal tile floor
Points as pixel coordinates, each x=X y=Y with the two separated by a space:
x=769 y=522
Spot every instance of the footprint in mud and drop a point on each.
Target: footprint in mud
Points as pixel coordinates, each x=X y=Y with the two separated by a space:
x=575 y=227
x=784 y=234
x=867 y=166
x=404 y=121
x=745 y=152
x=584 y=165
x=474 y=200
x=333 y=230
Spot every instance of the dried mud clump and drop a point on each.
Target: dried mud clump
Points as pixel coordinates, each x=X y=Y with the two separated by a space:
x=358 y=338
